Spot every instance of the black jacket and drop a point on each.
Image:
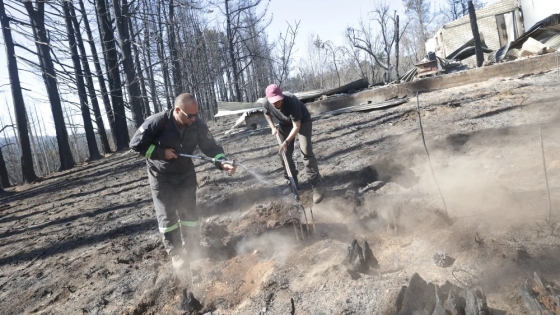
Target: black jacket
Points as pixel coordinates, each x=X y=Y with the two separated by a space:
x=160 y=132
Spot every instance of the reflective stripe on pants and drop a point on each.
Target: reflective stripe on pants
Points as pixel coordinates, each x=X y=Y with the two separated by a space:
x=175 y=203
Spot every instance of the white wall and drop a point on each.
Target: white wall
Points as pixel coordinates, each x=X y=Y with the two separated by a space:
x=431 y=45
x=536 y=10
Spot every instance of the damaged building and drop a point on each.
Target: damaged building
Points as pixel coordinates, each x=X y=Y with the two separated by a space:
x=499 y=24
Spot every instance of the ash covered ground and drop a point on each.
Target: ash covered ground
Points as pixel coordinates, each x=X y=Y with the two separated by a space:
x=85 y=241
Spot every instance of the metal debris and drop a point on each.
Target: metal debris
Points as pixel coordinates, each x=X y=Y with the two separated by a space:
x=546 y=32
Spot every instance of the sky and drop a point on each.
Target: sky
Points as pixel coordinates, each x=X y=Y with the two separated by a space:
x=326 y=18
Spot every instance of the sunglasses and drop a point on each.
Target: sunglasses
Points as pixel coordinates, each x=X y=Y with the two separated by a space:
x=189 y=116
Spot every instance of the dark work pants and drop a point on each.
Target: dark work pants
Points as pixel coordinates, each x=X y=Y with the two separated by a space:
x=309 y=160
x=175 y=205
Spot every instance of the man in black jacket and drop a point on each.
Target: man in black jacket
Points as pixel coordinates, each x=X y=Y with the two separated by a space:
x=172 y=178
x=295 y=121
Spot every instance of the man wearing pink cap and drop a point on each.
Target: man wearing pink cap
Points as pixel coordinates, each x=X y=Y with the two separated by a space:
x=295 y=120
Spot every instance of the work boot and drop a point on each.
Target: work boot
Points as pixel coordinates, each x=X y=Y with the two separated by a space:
x=172 y=241
x=178 y=262
x=317 y=193
x=191 y=243
x=172 y=244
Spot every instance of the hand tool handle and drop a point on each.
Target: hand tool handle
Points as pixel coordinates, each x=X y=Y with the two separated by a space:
x=204 y=158
x=288 y=171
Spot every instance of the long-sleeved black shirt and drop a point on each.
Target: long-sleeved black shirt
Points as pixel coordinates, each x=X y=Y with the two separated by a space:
x=160 y=132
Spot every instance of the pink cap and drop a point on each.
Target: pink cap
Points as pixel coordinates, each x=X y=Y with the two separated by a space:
x=274 y=93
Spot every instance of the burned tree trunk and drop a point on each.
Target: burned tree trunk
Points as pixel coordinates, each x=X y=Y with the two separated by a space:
x=4 y=177
x=147 y=58
x=37 y=19
x=89 y=83
x=19 y=105
x=135 y=98
x=397 y=39
x=175 y=65
x=231 y=52
x=112 y=65
x=98 y=71
x=79 y=75
x=162 y=59
x=476 y=34
x=147 y=51
x=32 y=125
x=42 y=142
x=140 y=76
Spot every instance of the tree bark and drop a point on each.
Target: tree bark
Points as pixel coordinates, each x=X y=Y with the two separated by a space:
x=32 y=127
x=476 y=34
x=98 y=72
x=82 y=95
x=42 y=142
x=397 y=39
x=4 y=177
x=231 y=52
x=147 y=57
x=75 y=141
x=37 y=19
x=112 y=65
x=89 y=83
x=17 y=97
x=140 y=76
x=175 y=65
x=162 y=59
x=135 y=97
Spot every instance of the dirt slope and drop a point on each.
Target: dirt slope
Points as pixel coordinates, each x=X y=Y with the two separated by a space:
x=85 y=241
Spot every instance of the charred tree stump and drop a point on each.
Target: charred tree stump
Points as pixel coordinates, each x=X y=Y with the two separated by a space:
x=476 y=302
x=359 y=260
x=370 y=260
x=454 y=305
x=439 y=308
x=354 y=260
x=190 y=303
x=420 y=297
x=538 y=299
